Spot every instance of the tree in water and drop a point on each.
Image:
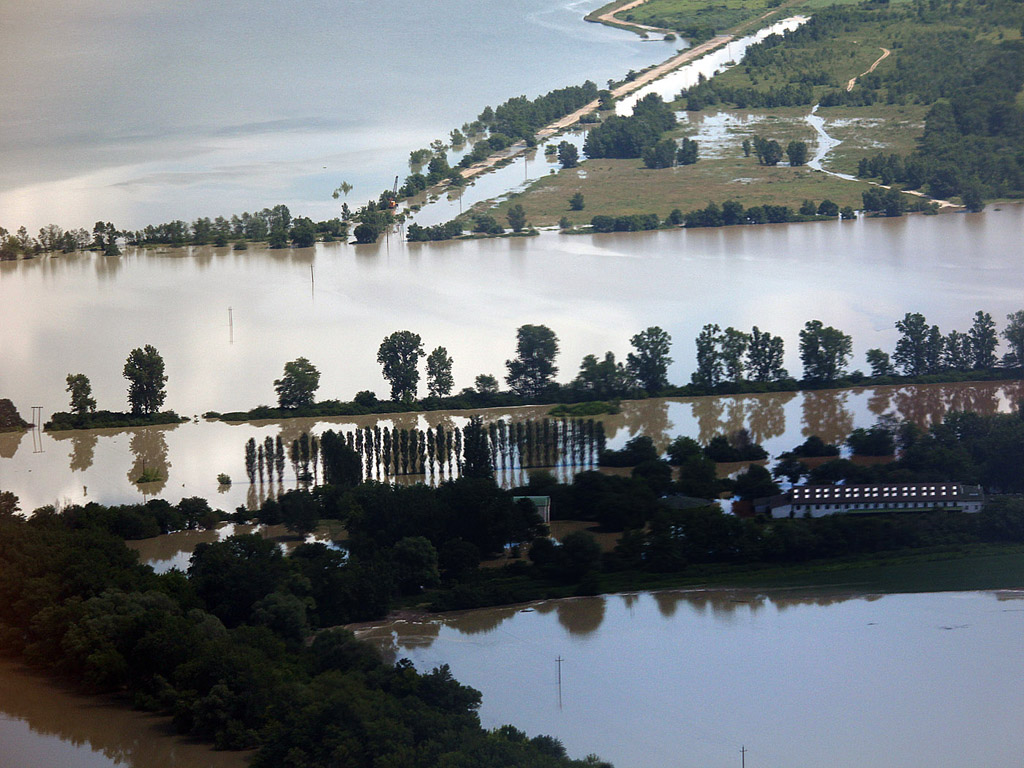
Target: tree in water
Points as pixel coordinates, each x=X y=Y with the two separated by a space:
x=881 y=364
x=764 y=357
x=298 y=385
x=533 y=369
x=439 y=373
x=568 y=155
x=1014 y=335
x=399 y=354
x=734 y=347
x=983 y=341
x=919 y=348
x=517 y=217
x=650 y=363
x=709 y=357
x=80 y=390
x=476 y=453
x=824 y=351
x=144 y=370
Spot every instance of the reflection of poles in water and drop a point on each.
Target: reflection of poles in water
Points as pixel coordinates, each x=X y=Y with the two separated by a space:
x=231 y=327
x=37 y=429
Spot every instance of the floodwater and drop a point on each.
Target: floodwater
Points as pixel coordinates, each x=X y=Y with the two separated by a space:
x=101 y=465
x=43 y=724
x=687 y=678
x=709 y=65
x=150 y=111
x=334 y=303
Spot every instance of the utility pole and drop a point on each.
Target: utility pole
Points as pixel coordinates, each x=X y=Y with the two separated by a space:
x=743 y=757
x=231 y=327
x=559 y=660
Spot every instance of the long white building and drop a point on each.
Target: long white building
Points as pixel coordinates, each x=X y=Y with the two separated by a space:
x=881 y=498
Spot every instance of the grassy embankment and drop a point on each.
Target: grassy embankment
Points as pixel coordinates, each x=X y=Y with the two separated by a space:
x=936 y=569
x=620 y=187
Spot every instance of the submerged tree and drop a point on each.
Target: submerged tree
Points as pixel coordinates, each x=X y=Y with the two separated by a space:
x=651 y=361
x=824 y=351
x=298 y=385
x=439 y=373
x=399 y=354
x=80 y=390
x=144 y=370
x=533 y=368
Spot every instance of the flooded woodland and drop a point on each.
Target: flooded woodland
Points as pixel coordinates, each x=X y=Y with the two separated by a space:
x=646 y=679
x=334 y=303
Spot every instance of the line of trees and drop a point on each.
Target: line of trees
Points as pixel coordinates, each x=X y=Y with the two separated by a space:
x=726 y=359
x=923 y=349
x=438 y=453
x=731 y=213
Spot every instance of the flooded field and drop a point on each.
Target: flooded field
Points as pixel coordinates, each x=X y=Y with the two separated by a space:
x=103 y=465
x=334 y=303
x=686 y=678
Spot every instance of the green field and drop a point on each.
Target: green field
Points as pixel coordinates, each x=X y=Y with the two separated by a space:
x=622 y=187
x=866 y=131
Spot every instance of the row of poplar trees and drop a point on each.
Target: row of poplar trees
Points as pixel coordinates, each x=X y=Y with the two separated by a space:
x=388 y=452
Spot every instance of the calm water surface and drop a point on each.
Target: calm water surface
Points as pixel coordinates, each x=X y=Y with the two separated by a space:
x=42 y=724
x=84 y=313
x=216 y=108
x=686 y=678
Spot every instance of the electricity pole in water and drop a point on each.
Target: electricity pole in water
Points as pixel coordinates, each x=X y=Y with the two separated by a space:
x=743 y=757
x=559 y=660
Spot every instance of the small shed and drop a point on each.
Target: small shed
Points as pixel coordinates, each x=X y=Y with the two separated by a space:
x=541 y=503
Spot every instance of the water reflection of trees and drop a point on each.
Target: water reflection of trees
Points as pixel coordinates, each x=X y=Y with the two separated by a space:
x=879 y=400
x=149 y=447
x=766 y=416
x=83 y=449
x=581 y=616
x=9 y=443
x=826 y=415
x=650 y=418
x=481 y=621
x=707 y=412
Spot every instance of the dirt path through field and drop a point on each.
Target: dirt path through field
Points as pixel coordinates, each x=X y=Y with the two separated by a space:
x=879 y=60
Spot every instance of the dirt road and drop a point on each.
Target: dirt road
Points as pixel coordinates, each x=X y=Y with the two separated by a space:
x=879 y=60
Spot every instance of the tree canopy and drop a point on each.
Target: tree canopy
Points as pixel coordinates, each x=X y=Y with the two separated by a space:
x=144 y=370
x=298 y=385
x=533 y=368
x=399 y=354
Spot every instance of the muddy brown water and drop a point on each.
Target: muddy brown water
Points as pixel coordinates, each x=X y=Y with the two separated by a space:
x=686 y=678
x=101 y=465
x=44 y=724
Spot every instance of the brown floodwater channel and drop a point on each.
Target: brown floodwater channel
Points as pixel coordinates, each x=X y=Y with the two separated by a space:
x=687 y=678
x=44 y=725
